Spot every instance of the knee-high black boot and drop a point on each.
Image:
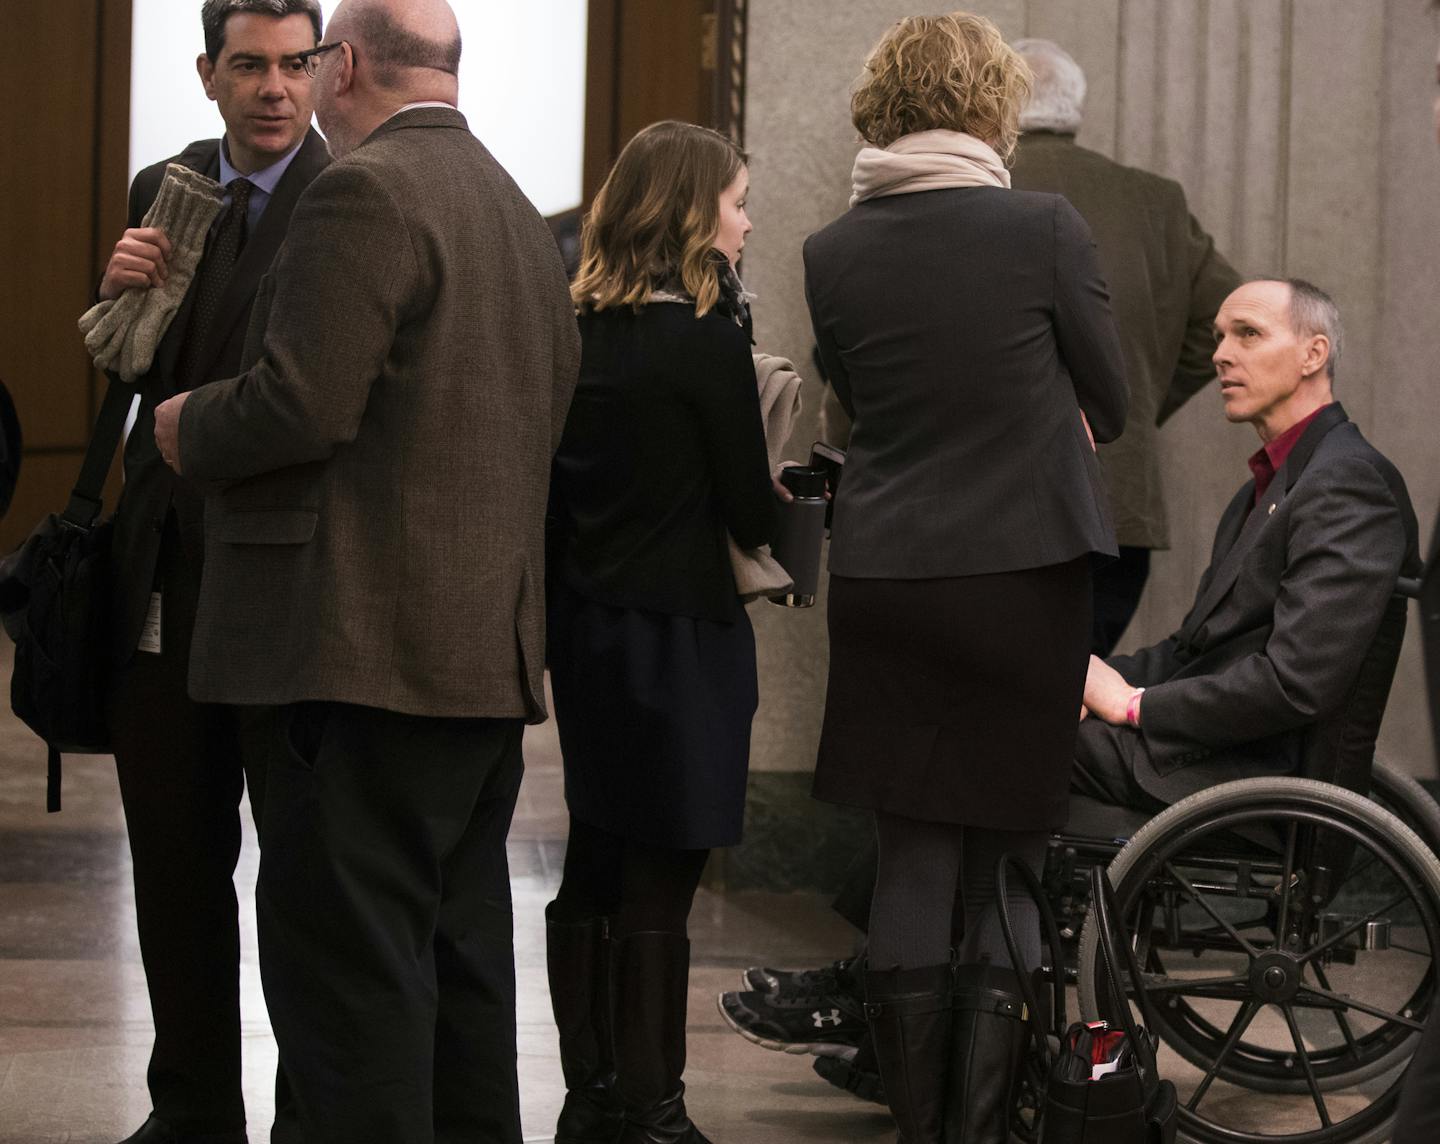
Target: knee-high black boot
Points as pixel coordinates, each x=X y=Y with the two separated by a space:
x=577 y=955
x=987 y=1051
x=909 y=1015
x=650 y=976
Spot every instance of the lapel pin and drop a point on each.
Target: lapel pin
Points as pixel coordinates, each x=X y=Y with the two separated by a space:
x=1272 y=508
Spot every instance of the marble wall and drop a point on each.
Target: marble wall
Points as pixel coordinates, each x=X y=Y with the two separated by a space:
x=1302 y=132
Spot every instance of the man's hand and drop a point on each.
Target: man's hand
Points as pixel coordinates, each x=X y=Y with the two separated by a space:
x=167 y=429
x=141 y=258
x=1106 y=692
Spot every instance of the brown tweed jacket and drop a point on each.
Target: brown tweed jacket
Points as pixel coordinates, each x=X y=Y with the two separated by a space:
x=374 y=534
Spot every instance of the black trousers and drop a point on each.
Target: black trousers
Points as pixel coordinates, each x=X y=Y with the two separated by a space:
x=181 y=780
x=1117 y=588
x=386 y=938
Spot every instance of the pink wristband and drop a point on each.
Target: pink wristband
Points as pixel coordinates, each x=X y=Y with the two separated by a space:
x=1132 y=707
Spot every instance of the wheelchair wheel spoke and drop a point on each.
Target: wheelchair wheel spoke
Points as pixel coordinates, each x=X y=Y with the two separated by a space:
x=1354 y=927
x=1345 y=1030
x=1195 y=987
x=1243 y=1016
x=1364 y=864
x=1200 y=901
x=1286 y=877
x=1305 y=1064
x=1307 y=993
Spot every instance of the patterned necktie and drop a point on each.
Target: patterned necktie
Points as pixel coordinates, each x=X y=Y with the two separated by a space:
x=215 y=269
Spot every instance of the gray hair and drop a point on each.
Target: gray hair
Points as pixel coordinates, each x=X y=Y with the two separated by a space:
x=214 y=14
x=1312 y=311
x=1057 y=102
x=391 y=48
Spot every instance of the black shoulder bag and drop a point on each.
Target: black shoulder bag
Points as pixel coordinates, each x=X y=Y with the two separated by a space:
x=54 y=601
x=1092 y=1083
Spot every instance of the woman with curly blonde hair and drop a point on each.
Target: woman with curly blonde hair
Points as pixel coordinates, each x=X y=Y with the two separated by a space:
x=651 y=654
x=967 y=331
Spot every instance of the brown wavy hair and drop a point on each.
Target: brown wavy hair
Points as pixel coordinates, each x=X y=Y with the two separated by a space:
x=656 y=216
x=953 y=72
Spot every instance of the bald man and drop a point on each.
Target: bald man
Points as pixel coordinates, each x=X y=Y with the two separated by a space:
x=374 y=578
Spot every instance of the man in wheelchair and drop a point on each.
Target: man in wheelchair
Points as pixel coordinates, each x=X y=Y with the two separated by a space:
x=1305 y=561
x=1285 y=656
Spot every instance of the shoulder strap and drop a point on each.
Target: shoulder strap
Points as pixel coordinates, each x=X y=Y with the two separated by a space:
x=1051 y=933
x=1102 y=901
x=86 y=499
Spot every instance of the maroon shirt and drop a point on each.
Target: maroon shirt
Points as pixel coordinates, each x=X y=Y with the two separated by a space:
x=1266 y=461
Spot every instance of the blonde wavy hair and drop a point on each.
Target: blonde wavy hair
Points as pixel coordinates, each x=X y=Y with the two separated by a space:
x=655 y=216
x=953 y=72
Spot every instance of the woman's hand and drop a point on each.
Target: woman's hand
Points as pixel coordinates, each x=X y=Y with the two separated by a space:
x=780 y=490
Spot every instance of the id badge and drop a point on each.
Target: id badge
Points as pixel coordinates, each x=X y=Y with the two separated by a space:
x=150 y=630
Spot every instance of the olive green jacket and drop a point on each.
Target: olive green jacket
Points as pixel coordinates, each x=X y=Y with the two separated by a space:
x=1166 y=282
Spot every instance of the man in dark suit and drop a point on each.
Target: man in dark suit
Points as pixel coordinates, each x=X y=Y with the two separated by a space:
x=178 y=761
x=1166 y=282
x=1306 y=557
x=374 y=574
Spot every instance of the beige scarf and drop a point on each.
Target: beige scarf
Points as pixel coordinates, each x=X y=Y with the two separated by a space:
x=926 y=161
x=757 y=573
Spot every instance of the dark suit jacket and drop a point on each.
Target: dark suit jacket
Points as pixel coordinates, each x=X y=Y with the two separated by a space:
x=379 y=539
x=964 y=330
x=151 y=487
x=1283 y=617
x=1166 y=282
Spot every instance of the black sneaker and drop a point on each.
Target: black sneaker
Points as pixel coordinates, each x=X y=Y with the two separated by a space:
x=859 y=1075
x=838 y=977
x=822 y=1024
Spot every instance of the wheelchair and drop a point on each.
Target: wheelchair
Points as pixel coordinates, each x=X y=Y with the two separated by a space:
x=1287 y=929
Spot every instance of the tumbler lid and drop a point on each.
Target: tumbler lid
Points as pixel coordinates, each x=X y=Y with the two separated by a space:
x=804 y=481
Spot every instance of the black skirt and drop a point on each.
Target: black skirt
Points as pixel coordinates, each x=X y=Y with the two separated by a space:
x=654 y=715
x=957 y=700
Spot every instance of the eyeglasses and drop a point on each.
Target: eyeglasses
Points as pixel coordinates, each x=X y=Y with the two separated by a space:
x=310 y=57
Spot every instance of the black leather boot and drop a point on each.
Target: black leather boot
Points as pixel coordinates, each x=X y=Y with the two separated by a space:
x=987 y=1050
x=577 y=955
x=649 y=977
x=909 y=1015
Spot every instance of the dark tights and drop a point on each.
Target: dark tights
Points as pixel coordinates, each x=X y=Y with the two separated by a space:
x=917 y=917
x=637 y=887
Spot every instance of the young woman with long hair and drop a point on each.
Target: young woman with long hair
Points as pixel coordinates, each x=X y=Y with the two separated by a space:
x=652 y=656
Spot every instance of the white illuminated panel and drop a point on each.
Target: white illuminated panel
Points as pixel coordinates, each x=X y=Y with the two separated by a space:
x=522 y=87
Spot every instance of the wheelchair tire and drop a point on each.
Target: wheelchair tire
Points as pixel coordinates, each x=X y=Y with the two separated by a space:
x=1148 y=863
x=1408 y=801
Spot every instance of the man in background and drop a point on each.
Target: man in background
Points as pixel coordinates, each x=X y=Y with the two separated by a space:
x=375 y=576
x=178 y=761
x=1166 y=282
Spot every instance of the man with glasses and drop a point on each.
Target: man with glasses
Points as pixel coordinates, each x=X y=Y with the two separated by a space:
x=374 y=574
x=178 y=761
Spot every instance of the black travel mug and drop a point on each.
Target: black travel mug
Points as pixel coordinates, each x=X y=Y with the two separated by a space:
x=797 y=542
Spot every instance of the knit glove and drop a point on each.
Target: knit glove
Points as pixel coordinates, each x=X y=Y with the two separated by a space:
x=121 y=334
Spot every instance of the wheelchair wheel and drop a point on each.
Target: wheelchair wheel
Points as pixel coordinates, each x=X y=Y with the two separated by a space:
x=1408 y=801
x=1286 y=931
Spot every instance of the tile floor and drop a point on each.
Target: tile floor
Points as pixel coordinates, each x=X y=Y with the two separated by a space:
x=75 y=1023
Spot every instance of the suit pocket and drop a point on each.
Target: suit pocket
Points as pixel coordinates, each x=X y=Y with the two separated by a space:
x=266 y=526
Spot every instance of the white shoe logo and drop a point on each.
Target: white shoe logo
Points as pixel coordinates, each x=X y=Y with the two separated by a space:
x=821 y=1019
